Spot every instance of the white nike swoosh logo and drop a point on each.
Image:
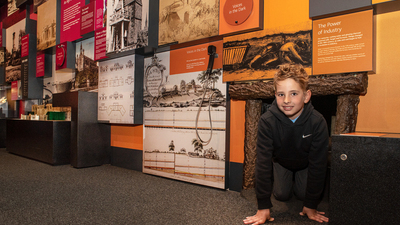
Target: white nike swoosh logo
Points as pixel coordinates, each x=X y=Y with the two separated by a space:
x=308 y=135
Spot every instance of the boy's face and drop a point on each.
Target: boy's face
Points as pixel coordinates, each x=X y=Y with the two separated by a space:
x=291 y=98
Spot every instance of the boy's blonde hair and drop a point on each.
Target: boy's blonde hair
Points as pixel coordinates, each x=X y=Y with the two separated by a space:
x=294 y=71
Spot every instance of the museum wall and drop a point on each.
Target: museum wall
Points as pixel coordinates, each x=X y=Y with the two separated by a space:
x=283 y=22
x=378 y=109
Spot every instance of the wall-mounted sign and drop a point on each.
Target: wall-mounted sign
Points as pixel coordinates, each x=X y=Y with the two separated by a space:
x=99 y=14
x=70 y=20
x=25 y=45
x=40 y=59
x=237 y=12
x=24 y=77
x=65 y=55
x=100 y=44
x=61 y=56
x=343 y=44
x=16 y=90
x=87 y=18
x=194 y=58
x=239 y=16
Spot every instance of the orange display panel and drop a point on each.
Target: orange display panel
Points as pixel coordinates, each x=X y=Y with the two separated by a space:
x=343 y=44
x=127 y=137
x=195 y=58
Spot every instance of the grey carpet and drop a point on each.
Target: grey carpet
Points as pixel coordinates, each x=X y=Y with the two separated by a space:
x=32 y=192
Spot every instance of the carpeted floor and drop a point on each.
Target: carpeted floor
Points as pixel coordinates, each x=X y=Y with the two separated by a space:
x=32 y=192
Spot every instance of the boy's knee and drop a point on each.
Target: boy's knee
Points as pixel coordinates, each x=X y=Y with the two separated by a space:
x=300 y=196
x=282 y=196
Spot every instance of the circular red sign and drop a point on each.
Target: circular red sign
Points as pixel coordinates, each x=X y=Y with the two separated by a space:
x=237 y=11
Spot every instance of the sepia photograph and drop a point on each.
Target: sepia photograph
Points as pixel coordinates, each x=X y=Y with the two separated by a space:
x=86 y=69
x=127 y=25
x=46 y=25
x=187 y=20
x=12 y=7
x=36 y=3
x=14 y=35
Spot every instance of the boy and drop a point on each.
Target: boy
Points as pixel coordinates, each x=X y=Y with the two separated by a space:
x=292 y=141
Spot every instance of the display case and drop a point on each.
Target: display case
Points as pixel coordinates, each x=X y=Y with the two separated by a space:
x=45 y=141
x=365 y=178
x=90 y=140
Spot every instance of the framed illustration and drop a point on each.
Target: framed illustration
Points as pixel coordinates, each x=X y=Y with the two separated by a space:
x=86 y=69
x=127 y=25
x=14 y=36
x=119 y=90
x=256 y=57
x=46 y=25
x=183 y=21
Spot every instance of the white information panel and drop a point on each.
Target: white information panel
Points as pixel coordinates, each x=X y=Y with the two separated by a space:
x=116 y=90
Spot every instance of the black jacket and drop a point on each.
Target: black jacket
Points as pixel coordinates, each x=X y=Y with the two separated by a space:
x=294 y=146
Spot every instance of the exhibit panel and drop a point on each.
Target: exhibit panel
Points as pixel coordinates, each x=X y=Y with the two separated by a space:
x=184 y=21
x=343 y=44
x=120 y=90
x=286 y=38
x=185 y=111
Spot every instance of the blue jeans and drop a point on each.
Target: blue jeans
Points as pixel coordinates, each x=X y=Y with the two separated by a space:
x=284 y=184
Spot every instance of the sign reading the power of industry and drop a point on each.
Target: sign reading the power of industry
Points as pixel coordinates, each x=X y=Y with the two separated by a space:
x=343 y=44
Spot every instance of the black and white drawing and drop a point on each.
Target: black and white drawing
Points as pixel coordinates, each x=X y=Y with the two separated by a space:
x=257 y=56
x=12 y=7
x=14 y=35
x=181 y=100
x=116 y=84
x=186 y=113
x=127 y=25
x=177 y=154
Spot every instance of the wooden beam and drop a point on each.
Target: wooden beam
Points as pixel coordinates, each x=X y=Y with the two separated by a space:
x=337 y=84
x=252 y=116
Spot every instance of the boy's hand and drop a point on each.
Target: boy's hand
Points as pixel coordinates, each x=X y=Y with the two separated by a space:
x=260 y=218
x=313 y=214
